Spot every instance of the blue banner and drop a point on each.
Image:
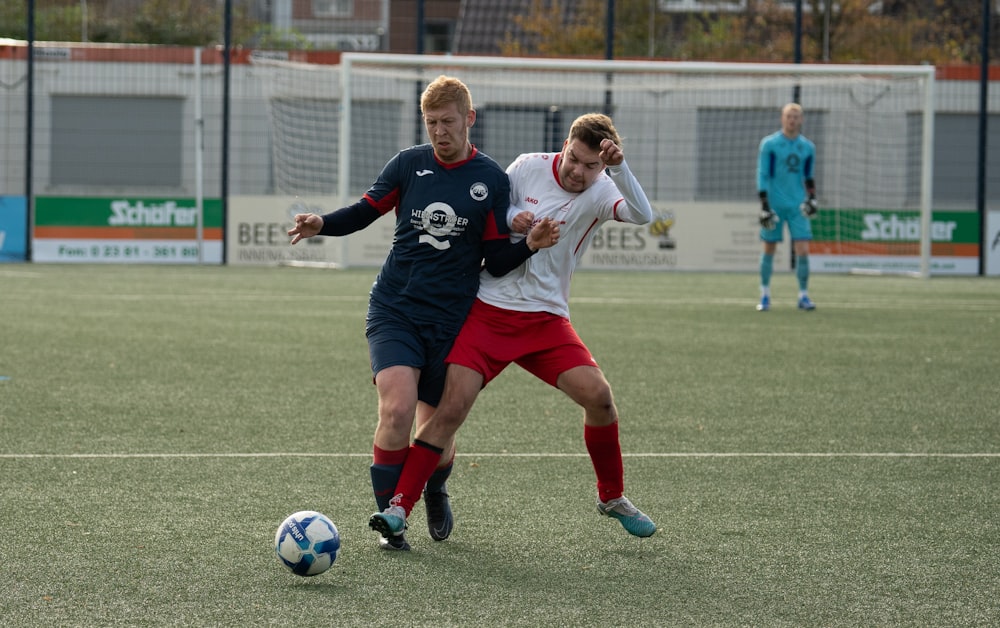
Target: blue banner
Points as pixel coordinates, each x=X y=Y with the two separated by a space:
x=13 y=228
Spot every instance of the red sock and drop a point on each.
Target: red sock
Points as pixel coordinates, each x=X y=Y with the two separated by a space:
x=389 y=457
x=420 y=464
x=606 y=455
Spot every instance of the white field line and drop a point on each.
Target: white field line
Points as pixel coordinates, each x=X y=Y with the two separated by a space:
x=875 y=303
x=523 y=455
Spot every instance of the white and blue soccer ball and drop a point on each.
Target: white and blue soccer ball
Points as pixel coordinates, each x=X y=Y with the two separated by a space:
x=307 y=543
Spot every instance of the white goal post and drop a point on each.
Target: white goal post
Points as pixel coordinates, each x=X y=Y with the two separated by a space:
x=691 y=132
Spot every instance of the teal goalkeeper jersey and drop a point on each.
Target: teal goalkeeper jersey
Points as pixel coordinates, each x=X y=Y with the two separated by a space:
x=783 y=165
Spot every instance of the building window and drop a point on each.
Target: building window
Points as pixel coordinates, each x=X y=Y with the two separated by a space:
x=438 y=36
x=333 y=8
x=117 y=141
x=955 y=163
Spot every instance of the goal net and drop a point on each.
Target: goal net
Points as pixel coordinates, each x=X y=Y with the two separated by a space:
x=691 y=132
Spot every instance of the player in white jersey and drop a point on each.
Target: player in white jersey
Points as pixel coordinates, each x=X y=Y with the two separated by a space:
x=543 y=184
x=524 y=317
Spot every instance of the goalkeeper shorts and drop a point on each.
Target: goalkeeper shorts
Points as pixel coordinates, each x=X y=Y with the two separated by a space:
x=799 y=227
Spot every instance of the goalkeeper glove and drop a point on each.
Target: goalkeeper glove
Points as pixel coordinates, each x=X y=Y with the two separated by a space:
x=809 y=207
x=767 y=218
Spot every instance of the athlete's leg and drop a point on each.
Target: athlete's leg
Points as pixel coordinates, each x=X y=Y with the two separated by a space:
x=461 y=388
x=424 y=413
x=802 y=265
x=440 y=520
x=800 y=229
x=397 y=404
x=767 y=269
x=587 y=386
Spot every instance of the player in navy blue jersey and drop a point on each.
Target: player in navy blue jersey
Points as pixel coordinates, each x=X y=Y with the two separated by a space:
x=787 y=188
x=523 y=317
x=451 y=206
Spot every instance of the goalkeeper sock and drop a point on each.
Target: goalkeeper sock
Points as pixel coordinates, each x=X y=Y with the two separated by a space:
x=385 y=471
x=802 y=271
x=606 y=455
x=766 y=268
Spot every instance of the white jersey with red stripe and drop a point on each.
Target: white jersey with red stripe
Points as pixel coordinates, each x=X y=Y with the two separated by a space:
x=542 y=283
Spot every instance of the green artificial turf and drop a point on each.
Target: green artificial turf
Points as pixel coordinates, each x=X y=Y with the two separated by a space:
x=830 y=468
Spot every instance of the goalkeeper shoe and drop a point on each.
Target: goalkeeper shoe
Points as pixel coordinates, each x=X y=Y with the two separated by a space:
x=439 y=518
x=806 y=304
x=765 y=304
x=394 y=543
x=390 y=522
x=631 y=518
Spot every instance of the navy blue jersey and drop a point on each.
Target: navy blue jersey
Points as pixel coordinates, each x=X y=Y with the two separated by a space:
x=444 y=213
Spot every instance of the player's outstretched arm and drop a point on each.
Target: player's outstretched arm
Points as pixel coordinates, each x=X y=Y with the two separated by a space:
x=343 y=221
x=637 y=209
x=306 y=226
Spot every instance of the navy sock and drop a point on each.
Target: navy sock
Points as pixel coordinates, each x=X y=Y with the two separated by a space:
x=436 y=482
x=384 y=479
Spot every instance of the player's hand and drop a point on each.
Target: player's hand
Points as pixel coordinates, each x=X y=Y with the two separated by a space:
x=611 y=153
x=522 y=222
x=306 y=226
x=809 y=207
x=767 y=218
x=544 y=234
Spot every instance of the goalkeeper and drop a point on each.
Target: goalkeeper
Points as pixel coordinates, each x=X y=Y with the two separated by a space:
x=785 y=181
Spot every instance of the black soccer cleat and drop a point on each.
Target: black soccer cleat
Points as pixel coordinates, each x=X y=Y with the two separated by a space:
x=394 y=543
x=439 y=518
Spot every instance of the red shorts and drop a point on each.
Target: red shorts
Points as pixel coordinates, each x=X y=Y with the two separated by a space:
x=541 y=343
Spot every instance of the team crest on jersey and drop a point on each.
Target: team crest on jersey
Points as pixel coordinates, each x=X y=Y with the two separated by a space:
x=794 y=162
x=479 y=191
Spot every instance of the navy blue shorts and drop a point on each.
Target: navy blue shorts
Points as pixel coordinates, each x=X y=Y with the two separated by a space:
x=395 y=340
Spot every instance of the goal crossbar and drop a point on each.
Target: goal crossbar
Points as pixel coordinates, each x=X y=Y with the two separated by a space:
x=429 y=66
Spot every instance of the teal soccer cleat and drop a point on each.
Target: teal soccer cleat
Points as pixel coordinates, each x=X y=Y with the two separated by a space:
x=391 y=522
x=631 y=518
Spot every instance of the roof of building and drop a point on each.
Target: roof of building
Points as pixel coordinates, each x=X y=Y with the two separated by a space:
x=484 y=24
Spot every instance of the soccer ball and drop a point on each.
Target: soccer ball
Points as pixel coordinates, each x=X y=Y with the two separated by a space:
x=307 y=543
